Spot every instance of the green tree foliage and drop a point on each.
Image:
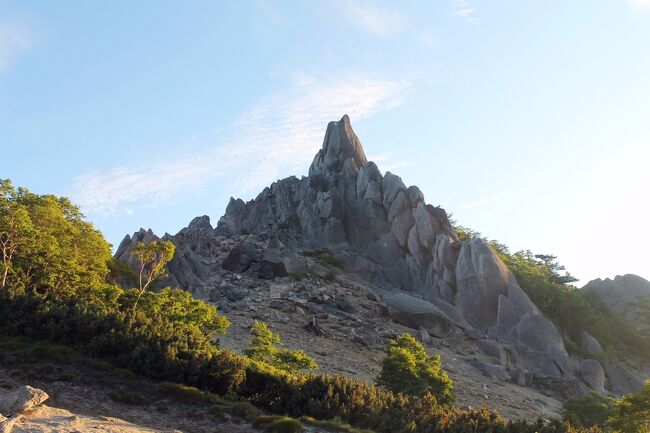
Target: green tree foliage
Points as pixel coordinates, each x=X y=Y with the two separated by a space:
x=633 y=412
x=589 y=411
x=46 y=244
x=152 y=258
x=408 y=368
x=266 y=346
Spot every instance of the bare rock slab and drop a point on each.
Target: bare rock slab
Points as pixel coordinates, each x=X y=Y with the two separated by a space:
x=21 y=399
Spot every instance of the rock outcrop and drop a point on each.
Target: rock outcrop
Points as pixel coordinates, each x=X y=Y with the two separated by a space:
x=21 y=399
x=624 y=295
x=372 y=226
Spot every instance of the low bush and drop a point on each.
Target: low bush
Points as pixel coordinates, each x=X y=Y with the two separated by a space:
x=278 y=424
x=591 y=410
x=127 y=397
x=245 y=410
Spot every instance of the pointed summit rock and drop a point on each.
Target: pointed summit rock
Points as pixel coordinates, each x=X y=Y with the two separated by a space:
x=341 y=148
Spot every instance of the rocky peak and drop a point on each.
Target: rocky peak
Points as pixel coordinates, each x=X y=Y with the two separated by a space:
x=384 y=233
x=341 y=149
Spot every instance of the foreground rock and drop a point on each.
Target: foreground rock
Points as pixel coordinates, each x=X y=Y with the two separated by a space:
x=22 y=399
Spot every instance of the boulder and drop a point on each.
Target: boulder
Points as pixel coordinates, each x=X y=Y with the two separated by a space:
x=496 y=372
x=272 y=267
x=344 y=303
x=540 y=335
x=620 y=380
x=481 y=277
x=21 y=399
x=240 y=258
x=593 y=375
x=589 y=344
x=417 y=313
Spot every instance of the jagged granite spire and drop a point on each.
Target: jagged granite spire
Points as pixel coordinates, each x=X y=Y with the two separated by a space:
x=340 y=146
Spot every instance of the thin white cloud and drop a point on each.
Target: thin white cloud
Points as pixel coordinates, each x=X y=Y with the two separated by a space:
x=463 y=9
x=640 y=5
x=277 y=137
x=374 y=18
x=14 y=40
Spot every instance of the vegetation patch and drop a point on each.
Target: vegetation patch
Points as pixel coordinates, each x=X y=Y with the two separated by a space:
x=278 y=424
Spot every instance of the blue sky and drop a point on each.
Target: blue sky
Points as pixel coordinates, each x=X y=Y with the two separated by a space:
x=528 y=120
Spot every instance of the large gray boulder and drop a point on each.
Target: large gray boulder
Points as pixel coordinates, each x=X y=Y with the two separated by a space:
x=417 y=313
x=589 y=344
x=241 y=257
x=620 y=380
x=593 y=375
x=481 y=278
x=21 y=399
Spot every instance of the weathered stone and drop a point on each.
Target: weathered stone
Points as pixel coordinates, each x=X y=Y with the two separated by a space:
x=589 y=344
x=593 y=374
x=7 y=424
x=539 y=334
x=234 y=294
x=427 y=226
x=424 y=337
x=272 y=267
x=392 y=185
x=21 y=399
x=497 y=372
x=240 y=258
x=344 y=303
x=295 y=264
x=620 y=380
x=417 y=313
x=480 y=277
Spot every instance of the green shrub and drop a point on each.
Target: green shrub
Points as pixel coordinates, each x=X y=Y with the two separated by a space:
x=266 y=347
x=407 y=368
x=127 y=397
x=285 y=425
x=245 y=410
x=187 y=393
x=632 y=413
x=589 y=411
x=333 y=425
x=278 y=424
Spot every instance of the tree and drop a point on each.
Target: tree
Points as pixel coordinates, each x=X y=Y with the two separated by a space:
x=266 y=346
x=152 y=258
x=554 y=269
x=408 y=369
x=633 y=412
x=47 y=247
x=15 y=227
